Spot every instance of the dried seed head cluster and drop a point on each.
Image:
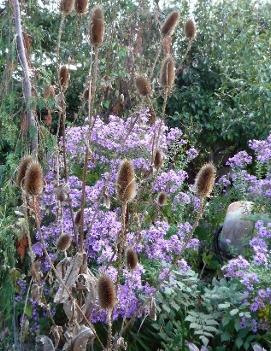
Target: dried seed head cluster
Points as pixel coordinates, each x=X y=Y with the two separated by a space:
x=64 y=242
x=162 y=198
x=158 y=159
x=77 y=219
x=61 y=193
x=66 y=6
x=97 y=27
x=131 y=258
x=152 y=116
x=33 y=183
x=64 y=77
x=49 y=92
x=106 y=292
x=126 y=184
x=24 y=163
x=81 y=6
x=143 y=86
x=170 y=23
x=167 y=73
x=205 y=180
x=190 y=29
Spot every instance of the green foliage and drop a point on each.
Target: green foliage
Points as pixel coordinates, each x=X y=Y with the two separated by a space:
x=222 y=97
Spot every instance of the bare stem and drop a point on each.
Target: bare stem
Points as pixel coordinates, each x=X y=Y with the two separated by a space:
x=27 y=87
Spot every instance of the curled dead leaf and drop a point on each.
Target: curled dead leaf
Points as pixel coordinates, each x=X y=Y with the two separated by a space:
x=44 y=343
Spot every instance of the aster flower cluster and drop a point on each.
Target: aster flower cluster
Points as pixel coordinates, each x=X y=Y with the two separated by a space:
x=109 y=143
x=251 y=275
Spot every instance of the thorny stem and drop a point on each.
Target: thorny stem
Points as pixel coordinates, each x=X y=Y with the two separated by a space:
x=24 y=310
x=109 y=341
x=61 y=280
x=61 y=26
x=121 y=239
x=27 y=87
x=92 y=93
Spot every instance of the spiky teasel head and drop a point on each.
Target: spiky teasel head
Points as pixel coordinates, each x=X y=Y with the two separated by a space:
x=77 y=219
x=64 y=77
x=66 y=6
x=106 y=293
x=81 y=7
x=49 y=92
x=205 y=180
x=162 y=198
x=167 y=73
x=170 y=23
x=97 y=27
x=24 y=163
x=64 y=242
x=143 y=86
x=61 y=193
x=190 y=29
x=131 y=258
x=126 y=184
x=33 y=183
x=158 y=159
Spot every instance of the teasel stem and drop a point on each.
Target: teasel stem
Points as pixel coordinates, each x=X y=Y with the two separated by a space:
x=60 y=31
x=91 y=101
x=62 y=282
x=121 y=240
x=109 y=340
x=24 y=310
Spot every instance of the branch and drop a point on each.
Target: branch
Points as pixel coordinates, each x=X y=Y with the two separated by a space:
x=27 y=88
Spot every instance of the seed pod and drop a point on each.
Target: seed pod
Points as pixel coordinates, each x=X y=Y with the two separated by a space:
x=106 y=292
x=190 y=29
x=170 y=23
x=27 y=40
x=36 y=272
x=205 y=180
x=167 y=73
x=97 y=27
x=64 y=77
x=64 y=242
x=162 y=198
x=35 y=292
x=126 y=185
x=131 y=258
x=143 y=86
x=66 y=6
x=61 y=193
x=33 y=183
x=81 y=6
x=49 y=92
x=158 y=159
x=24 y=163
x=77 y=219
x=152 y=116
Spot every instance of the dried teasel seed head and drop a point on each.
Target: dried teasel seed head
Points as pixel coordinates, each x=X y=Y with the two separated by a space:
x=24 y=163
x=170 y=23
x=64 y=242
x=35 y=271
x=205 y=180
x=106 y=292
x=49 y=92
x=61 y=193
x=143 y=86
x=190 y=29
x=158 y=159
x=35 y=292
x=66 y=6
x=167 y=73
x=126 y=185
x=131 y=258
x=81 y=6
x=97 y=27
x=162 y=198
x=77 y=218
x=64 y=77
x=152 y=116
x=33 y=183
